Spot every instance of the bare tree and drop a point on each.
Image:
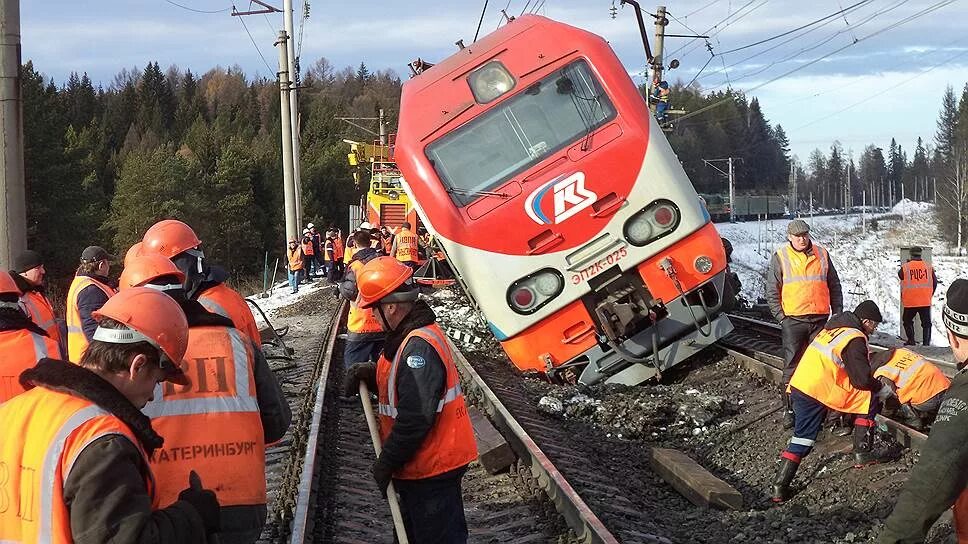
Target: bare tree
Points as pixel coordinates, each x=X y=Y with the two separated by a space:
x=954 y=195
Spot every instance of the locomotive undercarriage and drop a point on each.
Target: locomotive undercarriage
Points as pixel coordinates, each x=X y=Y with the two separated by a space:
x=640 y=336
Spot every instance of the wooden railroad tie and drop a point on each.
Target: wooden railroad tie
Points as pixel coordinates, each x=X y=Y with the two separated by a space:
x=493 y=451
x=694 y=482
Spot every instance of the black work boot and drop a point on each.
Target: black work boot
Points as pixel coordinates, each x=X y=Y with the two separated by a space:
x=781 y=484
x=864 y=452
x=910 y=418
x=788 y=417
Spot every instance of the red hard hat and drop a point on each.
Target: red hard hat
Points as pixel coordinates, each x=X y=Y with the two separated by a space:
x=157 y=317
x=133 y=252
x=7 y=285
x=141 y=269
x=379 y=280
x=169 y=238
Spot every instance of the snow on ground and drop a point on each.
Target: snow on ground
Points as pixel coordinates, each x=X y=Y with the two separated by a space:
x=281 y=295
x=867 y=263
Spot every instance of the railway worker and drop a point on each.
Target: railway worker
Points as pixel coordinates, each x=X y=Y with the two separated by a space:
x=919 y=385
x=918 y=284
x=386 y=240
x=309 y=256
x=294 y=264
x=29 y=274
x=940 y=478
x=203 y=281
x=88 y=417
x=405 y=246
x=364 y=335
x=225 y=418
x=329 y=256
x=22 y=341
x=350 y=249
x=338 y=251
x=89 y=290
x=835 y=374
x=803 y=290
x=427 y=436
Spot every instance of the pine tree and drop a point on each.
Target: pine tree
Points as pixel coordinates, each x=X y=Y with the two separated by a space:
x=896 y=162
x=947 y=124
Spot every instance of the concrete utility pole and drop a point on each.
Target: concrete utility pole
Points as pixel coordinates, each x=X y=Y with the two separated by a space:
x=660 y=23
x=292 y=220
x=293 y=109
x=13 y=223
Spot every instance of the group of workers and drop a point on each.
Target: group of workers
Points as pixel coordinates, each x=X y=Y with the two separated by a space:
x=314 y=255
x=148 y=420
x=830 y=370
x=147 y=417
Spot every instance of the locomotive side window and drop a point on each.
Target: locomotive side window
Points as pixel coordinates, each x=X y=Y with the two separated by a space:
x=518 y=133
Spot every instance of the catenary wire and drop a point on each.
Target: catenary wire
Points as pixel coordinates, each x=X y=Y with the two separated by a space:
x=718 y=31
x=697 y=10
x=254 y=44
x=198 y=10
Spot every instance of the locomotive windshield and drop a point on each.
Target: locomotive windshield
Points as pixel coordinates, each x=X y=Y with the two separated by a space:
x=521 y=131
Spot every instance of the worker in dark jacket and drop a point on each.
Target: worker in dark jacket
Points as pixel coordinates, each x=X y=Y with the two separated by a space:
x=918 y=283
x=834 y=373
x=30 y=274
x=89 y=291
x=940 y=478
x=427 y=436
x=86 y=418
x=188 y=419
x=364 y=335
x=803 y=291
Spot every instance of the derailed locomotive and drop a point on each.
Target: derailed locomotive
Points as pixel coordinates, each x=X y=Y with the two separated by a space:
x=534 y=159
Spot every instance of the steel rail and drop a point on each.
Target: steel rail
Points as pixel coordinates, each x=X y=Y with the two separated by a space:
x=579 y=516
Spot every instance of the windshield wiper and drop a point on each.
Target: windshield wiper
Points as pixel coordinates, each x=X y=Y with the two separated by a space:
x=464 y=192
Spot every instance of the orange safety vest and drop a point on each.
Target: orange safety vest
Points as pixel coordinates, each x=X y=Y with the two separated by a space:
x=406 y=246
x=44 y=431
x=21 y=350
x=348 y=254
x=295 y=259
x=821 y=375
x=917 y=380
x=917 y=284
x=450 y=443
x=337 y=249
x=224 y=301
x=804 y=276
x=307 y=246
x=328 y=251
x=361 y=320
x=76 y=340
x=41 y=312
x=212 y=426
x=387 y=244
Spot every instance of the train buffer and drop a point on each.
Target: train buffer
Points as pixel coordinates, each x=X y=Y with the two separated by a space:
x=694 y=482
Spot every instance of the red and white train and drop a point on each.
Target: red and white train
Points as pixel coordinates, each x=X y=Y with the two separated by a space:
x=534 y=159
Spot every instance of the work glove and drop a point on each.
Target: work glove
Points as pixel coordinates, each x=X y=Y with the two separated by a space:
x=382 y=474
x=204 y=502
x=888 y=398
x=359 y=372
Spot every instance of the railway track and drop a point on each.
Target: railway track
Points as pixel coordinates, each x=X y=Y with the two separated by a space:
x=569 y=484
x=329 y=496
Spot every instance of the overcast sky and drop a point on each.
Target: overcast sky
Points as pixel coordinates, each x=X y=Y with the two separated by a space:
x=896 y=76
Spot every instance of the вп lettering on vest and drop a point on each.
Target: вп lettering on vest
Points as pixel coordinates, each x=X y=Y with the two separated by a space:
x=204 y=451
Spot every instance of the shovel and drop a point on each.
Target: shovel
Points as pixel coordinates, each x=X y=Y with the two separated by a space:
x=378 y=447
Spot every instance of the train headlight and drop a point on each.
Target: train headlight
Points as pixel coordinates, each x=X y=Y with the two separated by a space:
x=652 y=222
x=490 y=81
x=703 y=264
x=531 y=292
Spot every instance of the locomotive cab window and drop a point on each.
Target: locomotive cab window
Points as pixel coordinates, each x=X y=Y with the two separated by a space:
x=518 y=133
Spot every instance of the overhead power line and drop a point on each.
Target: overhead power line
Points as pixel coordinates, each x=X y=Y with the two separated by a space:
x=198 y=10
x=737 y=16
x=697 y=10
x=713 y=27
x=254 y=44
x=916 y=15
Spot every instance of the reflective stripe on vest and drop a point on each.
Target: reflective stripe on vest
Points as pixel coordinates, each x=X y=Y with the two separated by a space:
x=917 y=380
x=41 y=312
x=450 y=443
x=212 y=426
x=821 y=375
x=224 y=301
x=804 y=289
x=49 y=430
x=917 y=284
x=16 y=359
x=406 y=246
x=76 y=340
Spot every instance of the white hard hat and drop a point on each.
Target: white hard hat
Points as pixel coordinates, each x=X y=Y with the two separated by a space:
x=305 y=231
x=309 y=226
x=365 y=225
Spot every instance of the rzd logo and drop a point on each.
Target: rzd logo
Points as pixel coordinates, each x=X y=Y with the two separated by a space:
x=570 y=197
